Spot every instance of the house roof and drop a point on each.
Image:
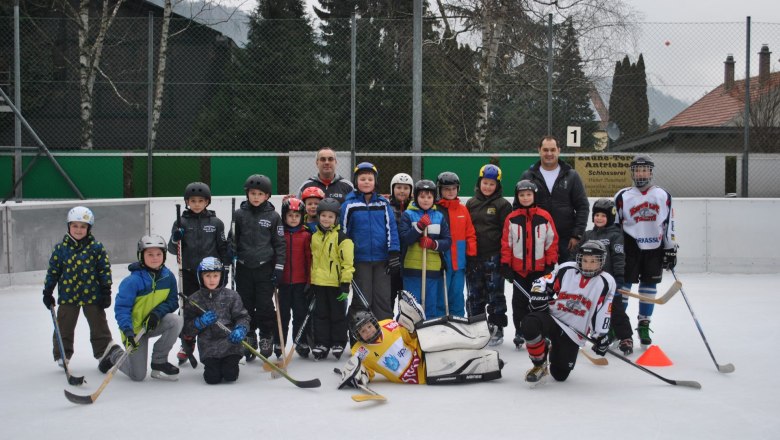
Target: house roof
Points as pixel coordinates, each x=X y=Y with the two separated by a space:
x=720 y=107
x=228 y=21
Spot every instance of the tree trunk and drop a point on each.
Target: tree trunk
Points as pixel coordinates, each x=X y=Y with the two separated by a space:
x=492 y=27
x=160 y=76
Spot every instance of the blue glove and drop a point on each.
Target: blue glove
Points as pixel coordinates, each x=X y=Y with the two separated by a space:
x=130 y=345
x=177 y=235
x=205 y=320
x=237 y=335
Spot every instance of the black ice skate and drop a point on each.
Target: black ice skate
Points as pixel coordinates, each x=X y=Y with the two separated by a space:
x=627 y=346
x=165 y=371
x=518 y=340
x=337 y=350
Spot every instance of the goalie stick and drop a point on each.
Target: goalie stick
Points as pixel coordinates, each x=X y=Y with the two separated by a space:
x=72 y=380
x=312 y=383
x=93 y=397
x=368 y=393
x=727 y=368
x=673 y=289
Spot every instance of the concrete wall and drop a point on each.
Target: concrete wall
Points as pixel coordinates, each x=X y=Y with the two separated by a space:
x=715 y=235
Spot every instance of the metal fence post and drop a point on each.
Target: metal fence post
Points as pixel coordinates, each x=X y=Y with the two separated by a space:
x=149 y=104
x=549 y=73
x=417 y=91
x=746 y=145
x=352 y=88
x=18 y=194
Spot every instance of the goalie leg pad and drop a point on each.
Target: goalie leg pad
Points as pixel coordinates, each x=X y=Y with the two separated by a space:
x=453 y=332
x=461 y=366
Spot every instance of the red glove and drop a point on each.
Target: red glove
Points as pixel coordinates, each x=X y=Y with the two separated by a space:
x=428 y=243
x=423 y=222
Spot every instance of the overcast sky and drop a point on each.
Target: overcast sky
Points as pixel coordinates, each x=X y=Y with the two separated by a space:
x=707 y=10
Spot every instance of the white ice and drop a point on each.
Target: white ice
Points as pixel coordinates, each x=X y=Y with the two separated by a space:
x=737 y=313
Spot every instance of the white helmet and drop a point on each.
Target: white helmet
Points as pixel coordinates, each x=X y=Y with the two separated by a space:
x=81 y=214
x=401 y=178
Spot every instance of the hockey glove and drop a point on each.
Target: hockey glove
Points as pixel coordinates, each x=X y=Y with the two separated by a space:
x=428 y=243
x=205 y=320
x=472 y=264
x=541 y=295
x=393 y=263
x=130 y=344
x=277 y=276
x=670 y=258
x=354 y=374
x=423 y=223
x=344 y=292
x=409 y=311
x=152 y=321
x=177 y=235
x=507 y=273
x=601 y=345
x=48 y=298
x=237 y=335
x=104 y=300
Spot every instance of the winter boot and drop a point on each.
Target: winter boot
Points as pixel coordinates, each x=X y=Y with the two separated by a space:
x=627 y=346
x=536 y=373
x=266 y=345
x=319 y=352
x=337 y=350
x=187 y=346
x=518 y=340
x=251 y=339
x=106 y=362
x=497 y=338
x=644 y=332
x=302 y=349
x=165 y=371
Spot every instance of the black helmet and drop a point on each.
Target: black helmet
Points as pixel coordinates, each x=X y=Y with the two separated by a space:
x=642 y=160
x=447 y=178
x=606 y=207
x=594 y=248
x=197 y=189
x=148 y=242
x=258 y=181
x=361 y=318
x=525 y=185
x=424 y=185
x=329 y=204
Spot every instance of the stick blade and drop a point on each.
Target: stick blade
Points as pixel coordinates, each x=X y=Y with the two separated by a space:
x=688 y=383
x=313 y=383
x=369 y=397
x=728 y=368
x=82 y=400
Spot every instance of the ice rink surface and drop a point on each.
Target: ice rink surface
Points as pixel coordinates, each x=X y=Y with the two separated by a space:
x=738 y=314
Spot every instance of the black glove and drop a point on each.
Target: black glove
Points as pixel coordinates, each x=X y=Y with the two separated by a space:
x=670 y=258
x=507 y=273
x=152 y=321
x=619 y=281
x=601 y=345
x=277 y=277
x=104 y=300
x=472 y=264
x=393 y=263
x=177 y=235
x=130 y=345
x=48 y=298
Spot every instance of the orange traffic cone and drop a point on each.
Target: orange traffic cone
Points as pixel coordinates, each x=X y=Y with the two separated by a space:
x=654 y=357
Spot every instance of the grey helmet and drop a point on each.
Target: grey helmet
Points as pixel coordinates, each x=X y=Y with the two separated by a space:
x=150 y=241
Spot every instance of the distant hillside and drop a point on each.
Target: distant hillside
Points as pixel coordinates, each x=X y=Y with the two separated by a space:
x=663 y=107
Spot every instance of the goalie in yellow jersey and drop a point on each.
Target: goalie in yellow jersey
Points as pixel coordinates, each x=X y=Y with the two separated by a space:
x=409 y=349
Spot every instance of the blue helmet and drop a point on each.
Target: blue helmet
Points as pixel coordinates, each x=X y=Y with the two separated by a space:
x=490 y=171
x=363 y=167
x=212 y=264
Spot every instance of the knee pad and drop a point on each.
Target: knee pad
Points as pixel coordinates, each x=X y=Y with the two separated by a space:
x=460 y=366
x=453 y=332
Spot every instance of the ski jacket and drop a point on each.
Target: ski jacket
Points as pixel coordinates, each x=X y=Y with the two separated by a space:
x=612 y=237
x=337 y=189
x=396 y=355
x=567 y=204
x=79 y=269
x=259 y=235
x=488 y=215
x=530 y=242
x=580 y=303
x=332 y=258
x=213 y=341
x=372 y=224
x=144 y=292
x=464 y=238
x=297 y=267
x=647 y=216
x=438 y=231
x=204 y=236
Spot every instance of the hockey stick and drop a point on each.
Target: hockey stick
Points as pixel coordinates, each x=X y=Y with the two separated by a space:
x=446 y=299
x=232 y=244
x=94 y=396
x=184 y=345
x=727 y=368
x=600 y=361
x=663 y=299
x=298 y=336
x=72 y=380
x=369 y=394
x=279 y=362
x=424 y=269
x=312 y=383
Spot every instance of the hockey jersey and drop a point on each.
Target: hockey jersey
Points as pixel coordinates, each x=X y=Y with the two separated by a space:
x=647 y=216
x=581 y=304
x=396 y=355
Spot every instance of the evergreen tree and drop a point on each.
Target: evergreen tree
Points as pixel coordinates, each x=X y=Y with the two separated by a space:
x=628 y=104
x=642 y=106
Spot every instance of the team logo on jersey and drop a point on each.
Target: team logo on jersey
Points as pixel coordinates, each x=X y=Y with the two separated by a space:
x=264 y=223
x=209 y=228
x=645 y=212
x=391 y=362
x=280 y=231
x=573 y=303
x=392 y=325
x=361 y=352
x=491 y=211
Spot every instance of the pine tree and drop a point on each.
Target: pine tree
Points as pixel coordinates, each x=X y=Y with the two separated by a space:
x=628 y=104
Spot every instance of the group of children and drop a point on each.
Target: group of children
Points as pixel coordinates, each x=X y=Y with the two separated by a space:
x=420 y=240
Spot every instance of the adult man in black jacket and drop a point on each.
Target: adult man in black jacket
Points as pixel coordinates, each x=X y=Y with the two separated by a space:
x=562 y=194
x=333 y=184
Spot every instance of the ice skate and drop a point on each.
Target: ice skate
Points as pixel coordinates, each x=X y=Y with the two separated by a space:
x=165 y=371
x=626 y=346
x=536 y=374
x=497 y=338
x=643 y=329
x=518 y=340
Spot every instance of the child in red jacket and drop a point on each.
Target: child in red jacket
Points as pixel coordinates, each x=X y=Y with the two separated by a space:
x=296 y=275
x=529 y=249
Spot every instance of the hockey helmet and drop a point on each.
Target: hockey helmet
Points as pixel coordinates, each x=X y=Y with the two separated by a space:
x=197 y=189
x=212 y=264
x=81 y=214
x=490 y=171
x=148 y=242
x=361 y=332
x=606 y=207
x=292 y=204
x=642 y=161
x=592 y=248
x=312 y=191
x=403 y=179
x=258 y=181
x=329 y=204
x=425 y=185
x=447 y=178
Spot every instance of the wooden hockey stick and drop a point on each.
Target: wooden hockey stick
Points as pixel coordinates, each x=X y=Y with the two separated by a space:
x=368 y=394
x=600 y=361
x=663 y=299
x=424 y=269
x=279 y=362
